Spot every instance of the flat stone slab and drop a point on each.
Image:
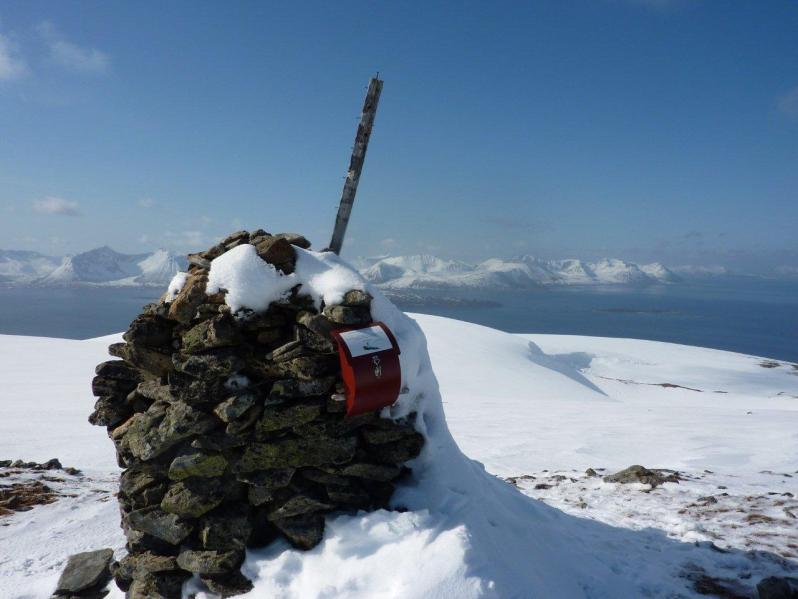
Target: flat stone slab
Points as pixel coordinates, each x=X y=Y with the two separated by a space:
x=85 y=571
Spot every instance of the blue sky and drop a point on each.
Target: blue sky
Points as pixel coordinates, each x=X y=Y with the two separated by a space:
x=640 y=129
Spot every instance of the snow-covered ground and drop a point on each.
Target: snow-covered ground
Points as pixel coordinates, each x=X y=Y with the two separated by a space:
x=539 y=409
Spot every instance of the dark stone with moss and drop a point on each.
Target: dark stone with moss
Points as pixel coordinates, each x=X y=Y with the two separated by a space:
x=199 y=464
x=277 y=252
x=294 y=453
x=150 y=331
x=210 y=561
x=304 y=532
x=157 y=585
x=397 y=452
x=118 y=369
x=212 y=364
x=180 y=422
x=379 y=472
x=193 y=497
x=159 y=524
x=110 y=411
x=226 y=527
x=235 y=406
x=228 y=585
x=282 y=417
x=220 y=331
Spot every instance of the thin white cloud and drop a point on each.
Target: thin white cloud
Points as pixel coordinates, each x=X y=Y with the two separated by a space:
x=389 y=243
x=11 y=63
x=788 y=103
x=193 y=240
x=70 y=55
x=146 y=202
x=56 y=205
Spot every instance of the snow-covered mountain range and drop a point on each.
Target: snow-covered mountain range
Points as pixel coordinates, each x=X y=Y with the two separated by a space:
x=427 y=272
x=105 y=266
x=100 y=266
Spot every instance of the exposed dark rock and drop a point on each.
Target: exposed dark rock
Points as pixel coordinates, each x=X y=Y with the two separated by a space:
x=85 y=571
x=281 y=417
x=640 y=474
x=381 y=472
x=220 y=363
x=304 y=531
x=356 y=298
x=228 y=585
x=110 y=411
x=778 y=587
x=220 y=331
x=209 y=561
x=277 y=252
x=234 y=407
x=159 y=524
x=180 y=422
x=293 y=453
x=226 y=528
x=118 y=369
x=295 y=239
x=199 y=464
x=193 y=497
x=398 y=452
x=156 y=585
x=348 y=315
x=297 y=505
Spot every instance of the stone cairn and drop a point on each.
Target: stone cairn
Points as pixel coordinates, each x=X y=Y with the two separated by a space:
x=230 y=430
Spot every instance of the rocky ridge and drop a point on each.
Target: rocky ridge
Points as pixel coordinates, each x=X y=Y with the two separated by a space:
x=229 y=428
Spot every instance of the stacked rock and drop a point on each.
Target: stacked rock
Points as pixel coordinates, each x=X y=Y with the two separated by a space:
x=230 y=432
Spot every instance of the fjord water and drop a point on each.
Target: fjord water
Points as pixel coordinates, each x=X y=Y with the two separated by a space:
x=758 y=317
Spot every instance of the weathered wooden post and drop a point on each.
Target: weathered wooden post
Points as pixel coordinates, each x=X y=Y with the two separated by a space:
x=356 y=163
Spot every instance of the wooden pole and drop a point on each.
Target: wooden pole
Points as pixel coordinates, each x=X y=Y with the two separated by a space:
x=356 y=163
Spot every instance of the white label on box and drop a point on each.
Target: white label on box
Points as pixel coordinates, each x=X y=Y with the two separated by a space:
x=366 y=341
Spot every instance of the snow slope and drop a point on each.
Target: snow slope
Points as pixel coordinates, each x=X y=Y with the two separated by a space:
x=18 y=266
x=519 y=404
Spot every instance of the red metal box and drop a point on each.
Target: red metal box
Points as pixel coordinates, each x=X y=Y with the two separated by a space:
x=370 y=367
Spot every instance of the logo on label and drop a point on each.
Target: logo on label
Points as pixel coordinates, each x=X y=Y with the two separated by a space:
x=377 y=366
x=368 y=347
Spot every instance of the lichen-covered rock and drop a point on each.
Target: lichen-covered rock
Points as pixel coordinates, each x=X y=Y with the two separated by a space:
x=209 y=561
x=159 y=524
x=156 y=585
x=180 y=422
x=213 y=364
x=226 y=528
x=275 y=418
x=193 y=497
x=219 y=331
x=234 y=407
x=294 y=453
x=227 y=585
x=203 y=465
